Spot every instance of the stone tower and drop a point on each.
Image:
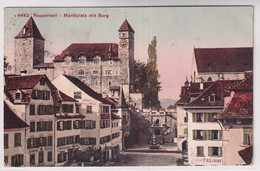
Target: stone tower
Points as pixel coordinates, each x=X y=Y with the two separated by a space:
x=29 y=48
x=126 y=51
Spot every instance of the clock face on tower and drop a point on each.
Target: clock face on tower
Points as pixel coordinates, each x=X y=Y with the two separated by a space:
x=123 y=43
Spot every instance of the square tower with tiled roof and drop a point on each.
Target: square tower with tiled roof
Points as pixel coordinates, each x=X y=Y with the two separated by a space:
x=29 y=48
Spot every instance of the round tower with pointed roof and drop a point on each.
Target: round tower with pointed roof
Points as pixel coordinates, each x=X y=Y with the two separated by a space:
x=29 y=48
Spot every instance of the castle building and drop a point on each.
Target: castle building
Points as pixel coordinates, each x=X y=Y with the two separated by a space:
x=98 y=65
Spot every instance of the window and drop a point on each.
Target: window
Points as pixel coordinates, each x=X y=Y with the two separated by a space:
x=32 y=159
x=49 y=156
x=62 y=157
x=89 y=109
x=197 y=117
x=105 y=139
x=77 y=139
x=67 y=60
x=38 y=94
x=186 y=117
x=77 y=95
x=104 y=123
x=61 y=141
x=77 y=109
x=198 y=134
x=44 y=126
x=17 y=160
x=82 y=60
x=75 y=124
x=31 y=143
x=212 y=97
x=32 y=109
x=5 y=141
x=6 y=160
x=67 y=108
x=42 y=82
x=60 y=125
x=109 y=83
x=17 y=139
x=41 y=156
x=32 y=126
x=214 y=135
x=90 y=124
x=207 y=134
x=18 y=96
x=185 y=131
x=215 y=151
x=200 y=151
x=81 y=72
x=95 y=72
x=49 y=140
x=247 y=136
x=69 y=140
x=105 y=109
x=108 y=72
x=209 y=117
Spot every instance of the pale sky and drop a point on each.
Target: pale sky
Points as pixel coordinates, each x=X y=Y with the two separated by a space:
x=178 y=31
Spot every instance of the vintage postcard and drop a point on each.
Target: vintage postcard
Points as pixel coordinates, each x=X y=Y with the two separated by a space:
x=128 y=86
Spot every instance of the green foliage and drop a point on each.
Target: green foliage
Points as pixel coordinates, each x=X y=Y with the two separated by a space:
x=146 y=77
x=172 y=106
x=7 y=66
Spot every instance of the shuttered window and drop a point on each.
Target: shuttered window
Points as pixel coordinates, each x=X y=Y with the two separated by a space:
x=200 y=151
x=215 y=151
x=247 y=136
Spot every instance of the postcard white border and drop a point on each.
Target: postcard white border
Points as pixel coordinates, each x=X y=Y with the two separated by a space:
x=115 y=3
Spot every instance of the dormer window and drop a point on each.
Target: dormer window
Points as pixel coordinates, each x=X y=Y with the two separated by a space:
x=82 y=60
x=42 y=82
x=67 y=60
x=212 y=98
x=18 y=96
x=25 y=30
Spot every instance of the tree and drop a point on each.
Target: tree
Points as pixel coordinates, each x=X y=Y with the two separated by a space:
x=146 y=77
x=7 y=66
x=153 y=84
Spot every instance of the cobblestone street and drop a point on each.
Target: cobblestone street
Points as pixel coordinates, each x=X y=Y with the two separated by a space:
x=147 y=159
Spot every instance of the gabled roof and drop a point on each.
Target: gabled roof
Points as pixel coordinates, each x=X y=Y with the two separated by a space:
x=66 y=98
x=224 y=59
x=87 y=89
x=219 y=89
x=11 y=120
x=89 y=50
x=126 y=27
x=31 y=30
x=25 y=84
x=247 y=154
x=22 y=82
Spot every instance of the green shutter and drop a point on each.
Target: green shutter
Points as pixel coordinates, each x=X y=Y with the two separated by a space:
x=220 y=134
x=250 y=133
x=193 y=117
x=220 y=151
x=205 y=117
x=194 y=134
x=210 y=151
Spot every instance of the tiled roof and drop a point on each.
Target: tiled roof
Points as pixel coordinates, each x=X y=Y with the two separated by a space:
x=25 y=84
x=219 y=89
x=224 y=59
x=241 y=106
x=87 y=89
x=126 y=27
x=44 y=65
x=11 y=120
x=192 y=91
x=89 y=50
x=114 y=116
x=22 y=82
x=247 y=154
x=65 y=97
x=246 y=85
x=31 y=30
